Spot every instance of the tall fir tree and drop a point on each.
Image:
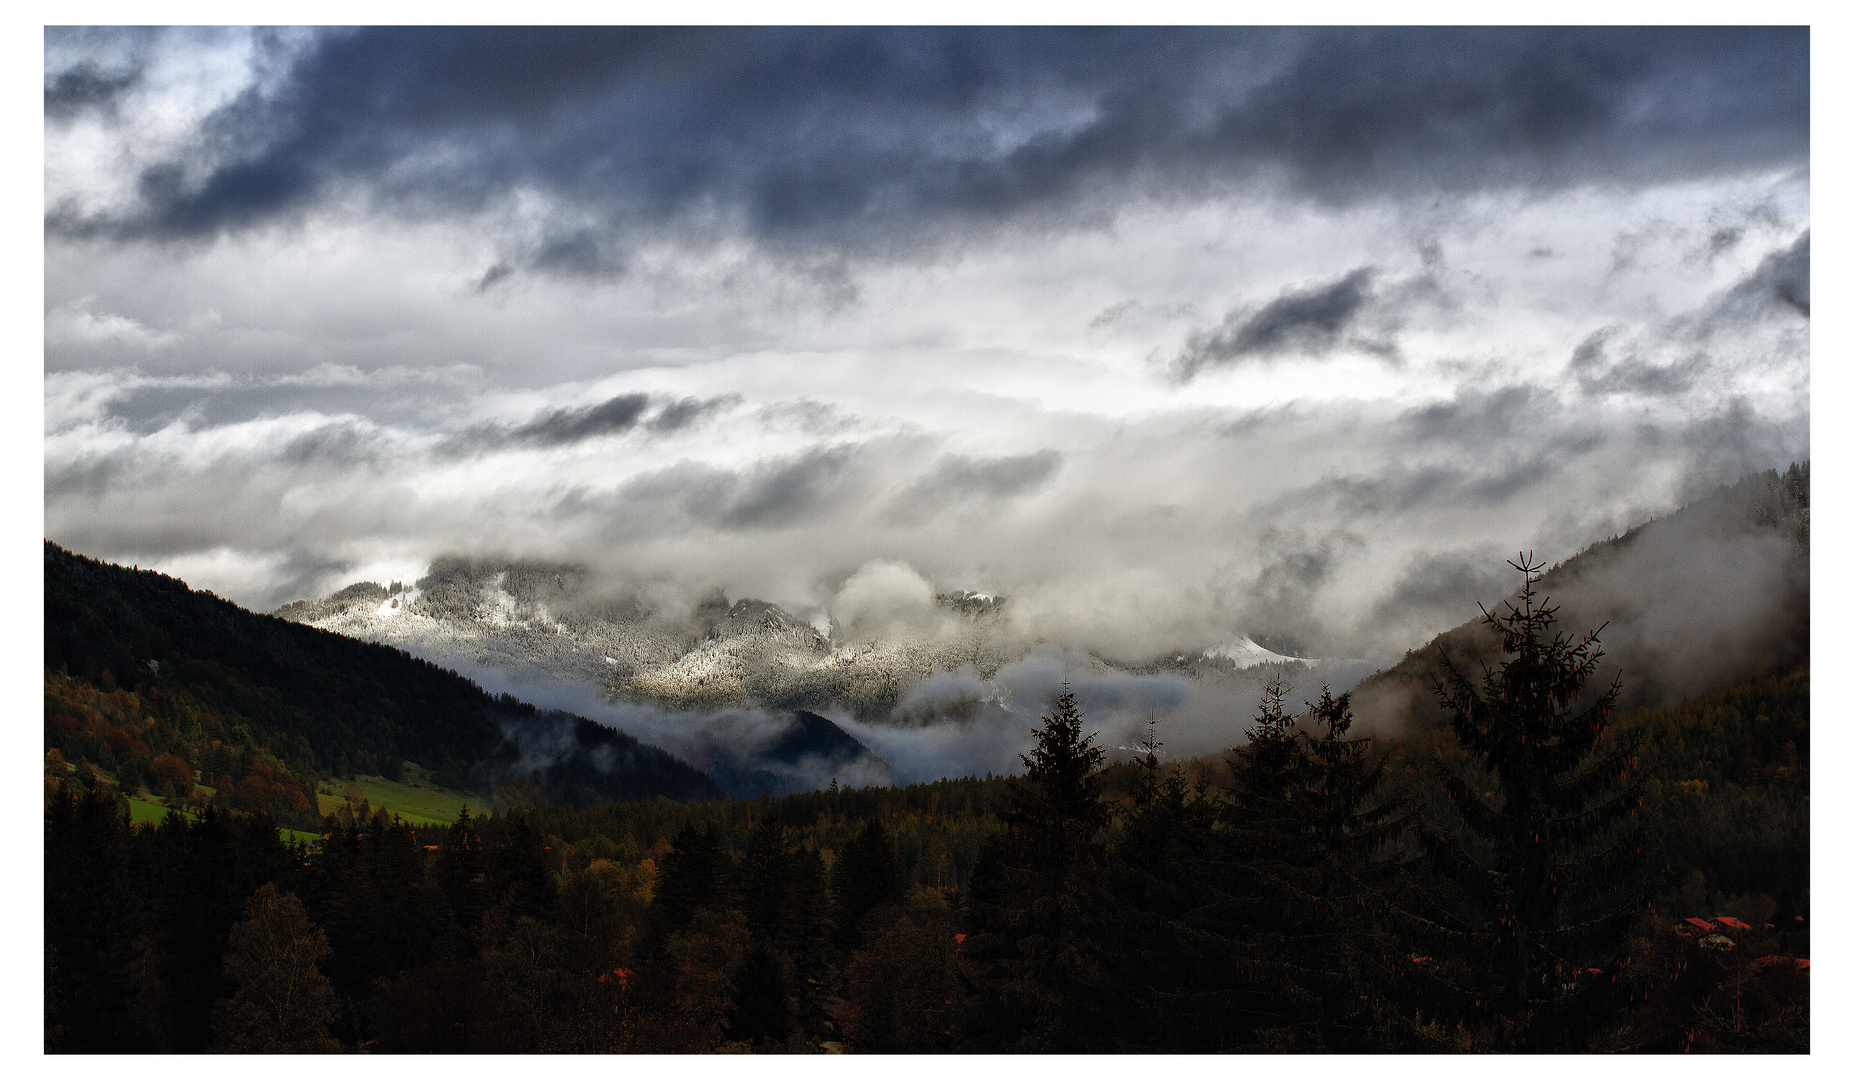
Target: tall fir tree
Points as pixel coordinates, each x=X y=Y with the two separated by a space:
x=766 y=997
x=1038 y=903
x=1540 y=879
x=460 y=871
x=1168 y=995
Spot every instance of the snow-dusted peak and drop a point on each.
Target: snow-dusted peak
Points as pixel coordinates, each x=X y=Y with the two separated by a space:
x=1245 y=653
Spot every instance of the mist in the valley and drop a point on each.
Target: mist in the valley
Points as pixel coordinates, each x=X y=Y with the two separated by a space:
x=950 y=723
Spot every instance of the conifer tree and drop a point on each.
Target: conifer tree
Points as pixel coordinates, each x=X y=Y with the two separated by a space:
x=518 y=871
x=1270 y=925
x=1156 y=954
x=765 y=1009
x=867 y=876
x=693 y=875
x=92 y=917
x=1038 y=904
x=1541 y=876
x=461 y=873
x=692 y=887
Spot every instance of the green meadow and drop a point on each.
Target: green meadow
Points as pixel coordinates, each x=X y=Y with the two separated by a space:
x=415 y=799
x=149 y=812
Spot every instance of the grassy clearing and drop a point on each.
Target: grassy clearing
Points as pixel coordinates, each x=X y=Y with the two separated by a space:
x=149 y=812
x=417 y=799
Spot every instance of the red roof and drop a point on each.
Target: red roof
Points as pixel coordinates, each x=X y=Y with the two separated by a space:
x=1727 y=920
x=1702 y=924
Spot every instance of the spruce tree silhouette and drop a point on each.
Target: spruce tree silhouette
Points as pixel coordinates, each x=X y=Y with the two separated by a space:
x=1038 y=903
x=1543 y=873
x=1169 y=998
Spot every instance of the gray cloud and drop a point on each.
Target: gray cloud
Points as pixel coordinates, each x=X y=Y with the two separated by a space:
x=1441 y=589
x=1309 y=320
x=957 y=479
x=769 y=494
x=685 y=412
x=342 y=443
x=1598 y=372
x=1475 y=417
x=619 y=414
x=1781 y=278
x=1282 y=597
x=782 y=492
x=86 y=86
x=569 y=426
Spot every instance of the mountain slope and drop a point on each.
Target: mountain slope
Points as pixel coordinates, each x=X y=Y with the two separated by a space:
x=316 y=700
x=1712 y=595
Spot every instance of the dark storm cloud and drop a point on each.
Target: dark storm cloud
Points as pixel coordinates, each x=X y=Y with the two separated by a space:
x=871 y=135
x=562 y=426
x=686 y=412
x=1782 y=278
x=956 y=479
x=113 y=62
x=85 y=87
x=565 y=427
x=1537 y=108
x=1309 y=320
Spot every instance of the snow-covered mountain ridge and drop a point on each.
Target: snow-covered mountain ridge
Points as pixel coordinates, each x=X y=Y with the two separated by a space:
x=541 y=621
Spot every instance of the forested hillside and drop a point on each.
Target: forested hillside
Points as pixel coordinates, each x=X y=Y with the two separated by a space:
x=147 y=680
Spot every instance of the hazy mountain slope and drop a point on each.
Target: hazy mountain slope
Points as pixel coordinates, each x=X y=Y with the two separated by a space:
x=315 y=698
x=1709 y=596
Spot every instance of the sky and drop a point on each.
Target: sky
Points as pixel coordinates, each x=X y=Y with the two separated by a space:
x=1168 y=335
